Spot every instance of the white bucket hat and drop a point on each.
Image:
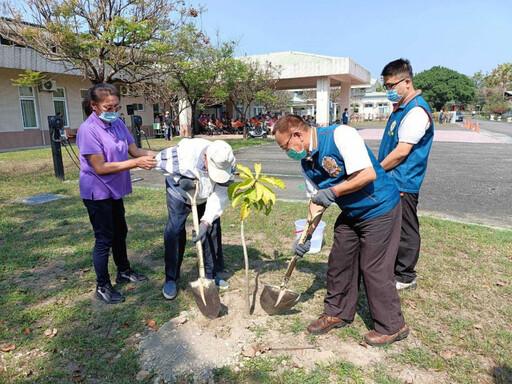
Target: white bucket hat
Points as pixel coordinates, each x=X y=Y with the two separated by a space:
x=221 y=161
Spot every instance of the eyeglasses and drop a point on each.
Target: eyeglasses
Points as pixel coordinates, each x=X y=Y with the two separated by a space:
x=390 y=86
x=105 y=108
x=285 y=147
x=112 y=109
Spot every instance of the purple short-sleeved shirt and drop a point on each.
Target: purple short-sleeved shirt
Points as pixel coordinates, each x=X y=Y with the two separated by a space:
x=97 y=137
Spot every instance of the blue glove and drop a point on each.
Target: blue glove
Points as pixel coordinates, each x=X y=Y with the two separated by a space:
x=187 y=184
x=301 y=249
x=324 y=197
x=203 y=230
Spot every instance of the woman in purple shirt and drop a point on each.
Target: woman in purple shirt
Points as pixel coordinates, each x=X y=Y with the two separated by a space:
x=105 y=143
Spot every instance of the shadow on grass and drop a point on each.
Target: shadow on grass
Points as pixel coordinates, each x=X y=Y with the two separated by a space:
x=502 y=374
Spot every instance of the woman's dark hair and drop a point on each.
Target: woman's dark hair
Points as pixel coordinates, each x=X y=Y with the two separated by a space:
x=96 y=94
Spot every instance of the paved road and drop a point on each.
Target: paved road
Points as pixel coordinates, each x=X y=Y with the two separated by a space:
x=468 y=182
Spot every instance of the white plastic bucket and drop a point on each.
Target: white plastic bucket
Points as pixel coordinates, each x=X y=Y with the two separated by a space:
x=316 y=239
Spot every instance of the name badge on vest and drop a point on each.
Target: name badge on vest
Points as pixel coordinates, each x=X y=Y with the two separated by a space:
x=330 y=166
x=392 y=129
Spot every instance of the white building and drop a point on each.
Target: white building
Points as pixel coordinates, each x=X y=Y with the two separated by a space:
x=368 y=103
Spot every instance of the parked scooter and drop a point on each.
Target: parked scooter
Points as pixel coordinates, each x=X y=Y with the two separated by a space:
x=257 y=130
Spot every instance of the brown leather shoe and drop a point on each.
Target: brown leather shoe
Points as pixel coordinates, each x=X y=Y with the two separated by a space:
x=325 y=323
x=375 y=339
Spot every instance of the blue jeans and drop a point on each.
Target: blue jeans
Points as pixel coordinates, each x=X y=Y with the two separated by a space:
x=110 y=230
x=175 y=239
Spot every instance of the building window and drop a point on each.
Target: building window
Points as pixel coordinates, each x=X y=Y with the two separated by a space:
x=383 y=108
x=83 y=95
x=28 y=107
x=138 y=107
x=156 y=109
x=60 y=104
x=368 y=105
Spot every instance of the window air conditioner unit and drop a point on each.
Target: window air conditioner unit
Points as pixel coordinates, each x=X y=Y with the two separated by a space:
x=124 y=90
x=48 y=86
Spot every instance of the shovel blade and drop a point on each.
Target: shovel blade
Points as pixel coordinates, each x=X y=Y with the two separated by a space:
x=206 y=296
x=269 y=299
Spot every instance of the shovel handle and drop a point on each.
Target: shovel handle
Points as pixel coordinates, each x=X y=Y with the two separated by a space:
x=195 y=218
x=302 y=240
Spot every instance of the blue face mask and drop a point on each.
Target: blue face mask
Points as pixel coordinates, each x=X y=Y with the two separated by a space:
x=393 y=95
x=109 y=117
x=294 y=155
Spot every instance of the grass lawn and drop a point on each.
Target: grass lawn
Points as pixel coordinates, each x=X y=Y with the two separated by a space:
x=459 y=316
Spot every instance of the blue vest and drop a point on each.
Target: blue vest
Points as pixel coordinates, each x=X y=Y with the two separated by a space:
x=327 y=169
x=409 y=174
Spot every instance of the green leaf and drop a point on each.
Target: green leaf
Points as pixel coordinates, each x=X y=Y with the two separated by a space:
x=233 y=188
x=245 y=172
x=245 y=210
x=268 y=194
x=236 y=200
x=257 y=170
x=273 y=181
x=259 y=191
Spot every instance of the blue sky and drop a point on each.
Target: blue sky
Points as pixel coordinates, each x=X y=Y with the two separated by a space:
x=466 y=36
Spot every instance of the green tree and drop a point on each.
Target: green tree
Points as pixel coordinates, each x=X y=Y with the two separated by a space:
x=441 y=85
x=278 y=101
x=196 y=67
x=491 y=87
x=108 y=41
x=248 y=81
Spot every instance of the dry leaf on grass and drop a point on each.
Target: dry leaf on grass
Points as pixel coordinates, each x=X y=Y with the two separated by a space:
x=8 y=348
x=150 y=323
x=447 y=355
x=249 y=351
x=500 y=284
x=126 y=325
x=50 y=332
x=26 y=331
x=78 y=378
x=129 y=288
x=111 y=361
x=363 y=344
x=477 y=326
x=410 y=303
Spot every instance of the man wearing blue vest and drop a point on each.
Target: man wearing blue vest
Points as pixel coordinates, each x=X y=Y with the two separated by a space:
x=403 y=154
x=339 y=168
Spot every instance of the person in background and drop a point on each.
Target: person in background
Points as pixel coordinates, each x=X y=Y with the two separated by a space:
x=105 y=146
x=403 y=154
x=168 y=126
x=212 y=164
x=345 y=116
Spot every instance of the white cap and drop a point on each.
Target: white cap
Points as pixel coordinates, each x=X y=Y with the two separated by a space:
x=221 y=160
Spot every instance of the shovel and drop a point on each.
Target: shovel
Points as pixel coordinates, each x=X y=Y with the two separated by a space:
x=204 y=290
x=276 y=299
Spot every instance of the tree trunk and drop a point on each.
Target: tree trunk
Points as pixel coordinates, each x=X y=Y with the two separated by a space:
x=246 y=260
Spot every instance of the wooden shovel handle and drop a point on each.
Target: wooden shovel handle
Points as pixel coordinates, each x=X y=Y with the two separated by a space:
x=195 y=218
x=302 y=240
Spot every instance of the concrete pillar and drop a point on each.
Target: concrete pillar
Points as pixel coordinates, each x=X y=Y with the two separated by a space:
x=185 y=118
x=345 y=96
x=322 y=101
